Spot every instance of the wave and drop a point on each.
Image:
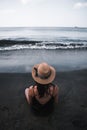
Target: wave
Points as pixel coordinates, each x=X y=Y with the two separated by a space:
x=50 y=45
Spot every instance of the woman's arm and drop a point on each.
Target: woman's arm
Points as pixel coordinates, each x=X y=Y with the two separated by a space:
x=29 y=94
x=56 y=89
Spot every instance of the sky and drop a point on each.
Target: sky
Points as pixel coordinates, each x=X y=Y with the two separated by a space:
x=61 y=13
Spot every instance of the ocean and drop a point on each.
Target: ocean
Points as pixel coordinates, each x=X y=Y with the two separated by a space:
x=63 y=47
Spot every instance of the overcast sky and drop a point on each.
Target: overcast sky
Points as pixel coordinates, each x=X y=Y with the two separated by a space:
x=43 y=13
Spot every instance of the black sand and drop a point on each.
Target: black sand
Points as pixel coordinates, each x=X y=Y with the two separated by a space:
x=69 y=114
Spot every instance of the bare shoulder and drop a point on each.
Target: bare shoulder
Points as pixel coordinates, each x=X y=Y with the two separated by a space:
x=56 y=90
x=56 y=87
x=31 y=91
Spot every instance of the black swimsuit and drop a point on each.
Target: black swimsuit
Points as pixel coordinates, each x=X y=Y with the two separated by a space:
x=42 y=109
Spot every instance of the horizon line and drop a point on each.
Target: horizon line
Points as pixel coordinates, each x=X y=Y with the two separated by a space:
x=43 y=26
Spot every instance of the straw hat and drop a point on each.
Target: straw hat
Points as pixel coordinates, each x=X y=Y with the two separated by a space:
x=43 y=73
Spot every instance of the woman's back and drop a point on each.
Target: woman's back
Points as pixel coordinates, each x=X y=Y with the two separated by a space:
x=42 y=105
x=42 y=98
x=46 y=95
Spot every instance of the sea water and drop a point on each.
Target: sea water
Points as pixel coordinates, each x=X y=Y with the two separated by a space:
x=63 y=47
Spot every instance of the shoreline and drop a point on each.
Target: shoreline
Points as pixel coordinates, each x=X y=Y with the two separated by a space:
x=70 y=113
x=23 y=60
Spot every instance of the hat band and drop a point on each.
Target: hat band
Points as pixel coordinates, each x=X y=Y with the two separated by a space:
x=42 y=76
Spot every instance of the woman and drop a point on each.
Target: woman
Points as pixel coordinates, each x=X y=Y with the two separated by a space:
x=43 y=94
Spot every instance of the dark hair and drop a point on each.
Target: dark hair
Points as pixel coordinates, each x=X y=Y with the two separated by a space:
x=42 y=89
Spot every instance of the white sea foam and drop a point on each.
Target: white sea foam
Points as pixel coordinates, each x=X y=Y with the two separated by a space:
x=44 y=46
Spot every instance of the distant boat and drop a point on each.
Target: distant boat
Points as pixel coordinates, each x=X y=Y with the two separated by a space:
x=76 y=27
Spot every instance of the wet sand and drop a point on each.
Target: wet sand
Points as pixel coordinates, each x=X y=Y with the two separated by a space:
x=70 y=113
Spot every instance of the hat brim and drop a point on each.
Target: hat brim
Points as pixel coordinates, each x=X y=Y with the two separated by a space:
x=43 y=81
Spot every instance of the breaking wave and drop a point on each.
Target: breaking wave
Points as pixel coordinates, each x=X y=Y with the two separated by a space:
x=26 y=44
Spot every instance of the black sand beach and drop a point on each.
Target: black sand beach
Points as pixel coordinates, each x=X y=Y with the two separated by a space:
x=69 y=114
